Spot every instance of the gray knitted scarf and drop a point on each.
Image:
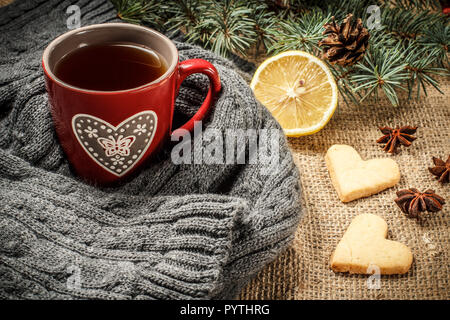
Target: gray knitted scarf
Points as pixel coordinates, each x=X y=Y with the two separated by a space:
x=173 y=232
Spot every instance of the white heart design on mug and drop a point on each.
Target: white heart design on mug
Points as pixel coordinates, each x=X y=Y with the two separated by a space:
x=116 y=149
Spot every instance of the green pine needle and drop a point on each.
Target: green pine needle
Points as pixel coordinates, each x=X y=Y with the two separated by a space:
x=133 y=11
x=421 y=64
x=299 y=34
x=383 y=70
x=232 y=30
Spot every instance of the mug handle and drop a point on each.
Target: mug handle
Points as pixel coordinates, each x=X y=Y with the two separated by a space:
x=188 y=67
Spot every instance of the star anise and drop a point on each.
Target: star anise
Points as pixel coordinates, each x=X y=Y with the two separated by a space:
x=393 y=137
x=441 y=169
x=412 y=201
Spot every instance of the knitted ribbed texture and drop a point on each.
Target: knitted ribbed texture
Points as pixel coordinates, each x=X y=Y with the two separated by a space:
x=191 y=231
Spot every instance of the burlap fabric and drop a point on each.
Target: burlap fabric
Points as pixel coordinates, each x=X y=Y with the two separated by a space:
x=303 y=272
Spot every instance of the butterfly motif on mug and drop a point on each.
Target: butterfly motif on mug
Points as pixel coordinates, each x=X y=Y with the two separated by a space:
x=121 y=146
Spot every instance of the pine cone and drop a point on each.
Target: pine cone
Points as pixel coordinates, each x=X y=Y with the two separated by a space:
x=345 y=44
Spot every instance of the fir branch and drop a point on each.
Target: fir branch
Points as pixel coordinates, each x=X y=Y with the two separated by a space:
x=407 y=24
x=186 y=15
x=265 y=20
x=232 y=30
x=299 y=34
x=139 y=11
x=381 y=70
x=382 y=38
x=437 y=37
x=421 y=64
x=357 y=7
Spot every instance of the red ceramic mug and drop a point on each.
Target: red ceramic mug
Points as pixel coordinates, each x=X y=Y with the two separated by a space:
x=107 y=135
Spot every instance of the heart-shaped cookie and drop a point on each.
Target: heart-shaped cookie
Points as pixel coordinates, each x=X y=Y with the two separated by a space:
x=364 y=245
x=354 y=178
x=116 y=149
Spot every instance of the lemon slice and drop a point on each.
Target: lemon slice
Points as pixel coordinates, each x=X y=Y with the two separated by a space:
x=298 y=89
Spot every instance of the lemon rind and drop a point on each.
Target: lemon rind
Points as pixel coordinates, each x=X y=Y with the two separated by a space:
x=328 y=114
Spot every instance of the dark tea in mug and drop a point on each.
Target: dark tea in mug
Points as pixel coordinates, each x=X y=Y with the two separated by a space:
x=110 y=66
